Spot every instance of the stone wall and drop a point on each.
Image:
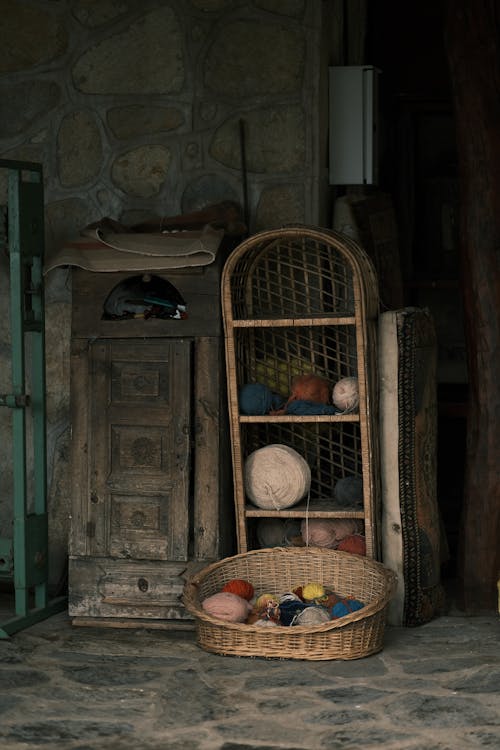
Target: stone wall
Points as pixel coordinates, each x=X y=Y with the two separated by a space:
x=135 y=109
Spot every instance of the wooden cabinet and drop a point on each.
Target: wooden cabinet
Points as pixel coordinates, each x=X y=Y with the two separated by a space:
x=297 y=300
x=151 y=474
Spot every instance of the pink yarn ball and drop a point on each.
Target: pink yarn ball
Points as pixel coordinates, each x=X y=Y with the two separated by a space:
x=226 y=606
x=328 y=532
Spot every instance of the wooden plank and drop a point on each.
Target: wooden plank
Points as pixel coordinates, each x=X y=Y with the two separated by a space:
x=78 y=540
x=137 y=622
x=98 y=498
x=206 y=448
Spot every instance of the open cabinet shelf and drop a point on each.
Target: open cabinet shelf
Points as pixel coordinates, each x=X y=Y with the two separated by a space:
x=301 y=300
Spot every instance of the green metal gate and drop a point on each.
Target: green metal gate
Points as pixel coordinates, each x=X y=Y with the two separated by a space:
x=24 y=556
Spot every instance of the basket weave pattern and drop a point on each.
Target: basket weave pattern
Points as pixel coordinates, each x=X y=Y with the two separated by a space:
x=279 y=570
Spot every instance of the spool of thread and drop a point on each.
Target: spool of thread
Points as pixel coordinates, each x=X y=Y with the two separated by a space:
x=345 y=394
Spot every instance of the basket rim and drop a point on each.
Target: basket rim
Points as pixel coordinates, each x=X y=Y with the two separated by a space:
x=192 y=584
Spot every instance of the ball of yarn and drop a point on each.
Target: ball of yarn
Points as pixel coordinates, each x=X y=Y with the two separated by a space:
x=328 y=532
x=288 y=597
x=240 y=587
x=226 y=606
x=345 y=607
x=345 y=394
x=290 y=609
x=278 y=532
x=256 y=399
x=312 y=615
x=277 y=373
x=355 y=544
x=313 y=591
x=349 y=491
x=276 y=477
x=310 y=387
x=263 y=600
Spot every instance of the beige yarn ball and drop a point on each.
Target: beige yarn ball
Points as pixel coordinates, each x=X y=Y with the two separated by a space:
x=276 y=477
x=345 y=394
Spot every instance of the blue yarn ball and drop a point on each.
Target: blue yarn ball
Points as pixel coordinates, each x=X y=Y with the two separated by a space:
x=256 y=399
x=349 y=491
x=345 y=607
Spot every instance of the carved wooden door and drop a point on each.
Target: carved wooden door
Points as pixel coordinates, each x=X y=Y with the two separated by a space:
x=139 y=449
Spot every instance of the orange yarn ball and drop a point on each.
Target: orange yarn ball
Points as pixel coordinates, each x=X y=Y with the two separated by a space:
x=310 y=388
x=239 y=587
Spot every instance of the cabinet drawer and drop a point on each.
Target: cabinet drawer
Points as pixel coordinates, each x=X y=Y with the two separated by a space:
x=104 y=587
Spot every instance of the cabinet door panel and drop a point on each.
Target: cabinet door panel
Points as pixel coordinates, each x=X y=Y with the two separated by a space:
x=139 y=449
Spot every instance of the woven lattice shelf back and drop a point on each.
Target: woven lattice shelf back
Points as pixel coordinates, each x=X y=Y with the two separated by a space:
x=303 y=300
x=304 y=271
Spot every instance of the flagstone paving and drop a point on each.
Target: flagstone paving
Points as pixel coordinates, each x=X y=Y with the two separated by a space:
x=435 y=687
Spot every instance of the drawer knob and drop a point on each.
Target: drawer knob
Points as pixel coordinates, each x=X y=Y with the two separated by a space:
x=142 y=584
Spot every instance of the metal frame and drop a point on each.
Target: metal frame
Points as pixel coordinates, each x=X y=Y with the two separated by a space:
x=25 y=556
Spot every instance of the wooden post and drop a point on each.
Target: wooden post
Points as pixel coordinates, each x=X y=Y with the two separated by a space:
x=472 y=30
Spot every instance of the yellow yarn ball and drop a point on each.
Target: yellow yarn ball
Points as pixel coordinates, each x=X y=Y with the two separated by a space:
x=263 y=599
x=313 y=591
x=277 y=374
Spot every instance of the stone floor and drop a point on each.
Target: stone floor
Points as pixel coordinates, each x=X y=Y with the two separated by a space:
x=432 y=687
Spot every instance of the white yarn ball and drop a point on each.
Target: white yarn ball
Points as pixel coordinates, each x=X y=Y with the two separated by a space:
x=312 y=616
x=345 y=394
x=276 y=477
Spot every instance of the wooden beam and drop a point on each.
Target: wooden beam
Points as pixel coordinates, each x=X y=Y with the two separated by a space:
x=472 y=30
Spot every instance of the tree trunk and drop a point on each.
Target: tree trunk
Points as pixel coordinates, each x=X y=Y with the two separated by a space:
x=472 y=31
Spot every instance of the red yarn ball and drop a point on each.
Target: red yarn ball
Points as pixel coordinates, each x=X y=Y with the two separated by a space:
x=355 y=543
x=239 y=587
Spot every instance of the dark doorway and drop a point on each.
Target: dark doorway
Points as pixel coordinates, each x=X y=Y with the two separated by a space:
x=418 y=167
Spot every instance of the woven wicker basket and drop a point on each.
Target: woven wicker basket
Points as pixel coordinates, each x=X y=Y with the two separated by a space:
x=281 y=569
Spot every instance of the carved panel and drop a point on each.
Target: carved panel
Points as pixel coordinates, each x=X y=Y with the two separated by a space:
x=139 y=463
